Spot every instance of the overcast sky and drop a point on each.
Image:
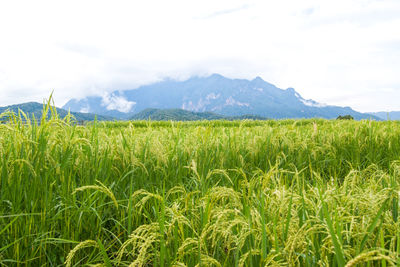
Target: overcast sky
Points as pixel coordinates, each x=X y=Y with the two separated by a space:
x=342 y=52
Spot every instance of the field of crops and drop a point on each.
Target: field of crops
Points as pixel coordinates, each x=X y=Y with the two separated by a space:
x=241 y=193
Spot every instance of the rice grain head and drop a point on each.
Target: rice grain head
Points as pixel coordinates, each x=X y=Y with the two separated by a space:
x=102 y=188
x=81 y=245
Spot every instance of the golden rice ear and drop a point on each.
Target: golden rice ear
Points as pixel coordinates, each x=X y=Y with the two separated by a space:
x=141 y=240
x=81 y=245
x=369 y=256
x=101 y=188
x=176 y=190
x=189 y=246
x=244 y=257
x=226 y=196
x=179 y=264
x=208 y=261
x=146 y=196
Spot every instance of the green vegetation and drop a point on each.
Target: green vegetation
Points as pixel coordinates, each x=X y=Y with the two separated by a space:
x=185 y=115
x=217 y=193
x=345 y=117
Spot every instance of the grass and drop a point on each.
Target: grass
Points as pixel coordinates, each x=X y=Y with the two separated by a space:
x=241 y=193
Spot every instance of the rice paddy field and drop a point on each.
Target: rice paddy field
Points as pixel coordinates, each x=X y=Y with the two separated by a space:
x=216 y=193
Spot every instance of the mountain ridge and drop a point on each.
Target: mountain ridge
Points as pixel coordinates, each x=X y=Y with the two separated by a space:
x=390 y=115
x=36 y=109
x=215 y=93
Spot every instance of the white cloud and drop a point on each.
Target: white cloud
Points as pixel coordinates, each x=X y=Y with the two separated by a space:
x=312 y=103
x=324 y=49
x=113 y=102
x=85 y=110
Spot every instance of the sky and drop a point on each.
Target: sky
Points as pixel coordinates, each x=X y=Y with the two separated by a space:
x=342 y=52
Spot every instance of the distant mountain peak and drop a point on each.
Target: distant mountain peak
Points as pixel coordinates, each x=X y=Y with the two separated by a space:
x=214 y=93
x=258 y=79
x=216 y=76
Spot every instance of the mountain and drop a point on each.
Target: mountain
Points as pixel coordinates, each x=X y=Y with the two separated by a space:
x=185 y=115
x=391 y=115
x=216 y=93
x=36 y=109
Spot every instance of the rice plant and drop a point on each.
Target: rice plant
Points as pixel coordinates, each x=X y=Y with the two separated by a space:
x=212 y=193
